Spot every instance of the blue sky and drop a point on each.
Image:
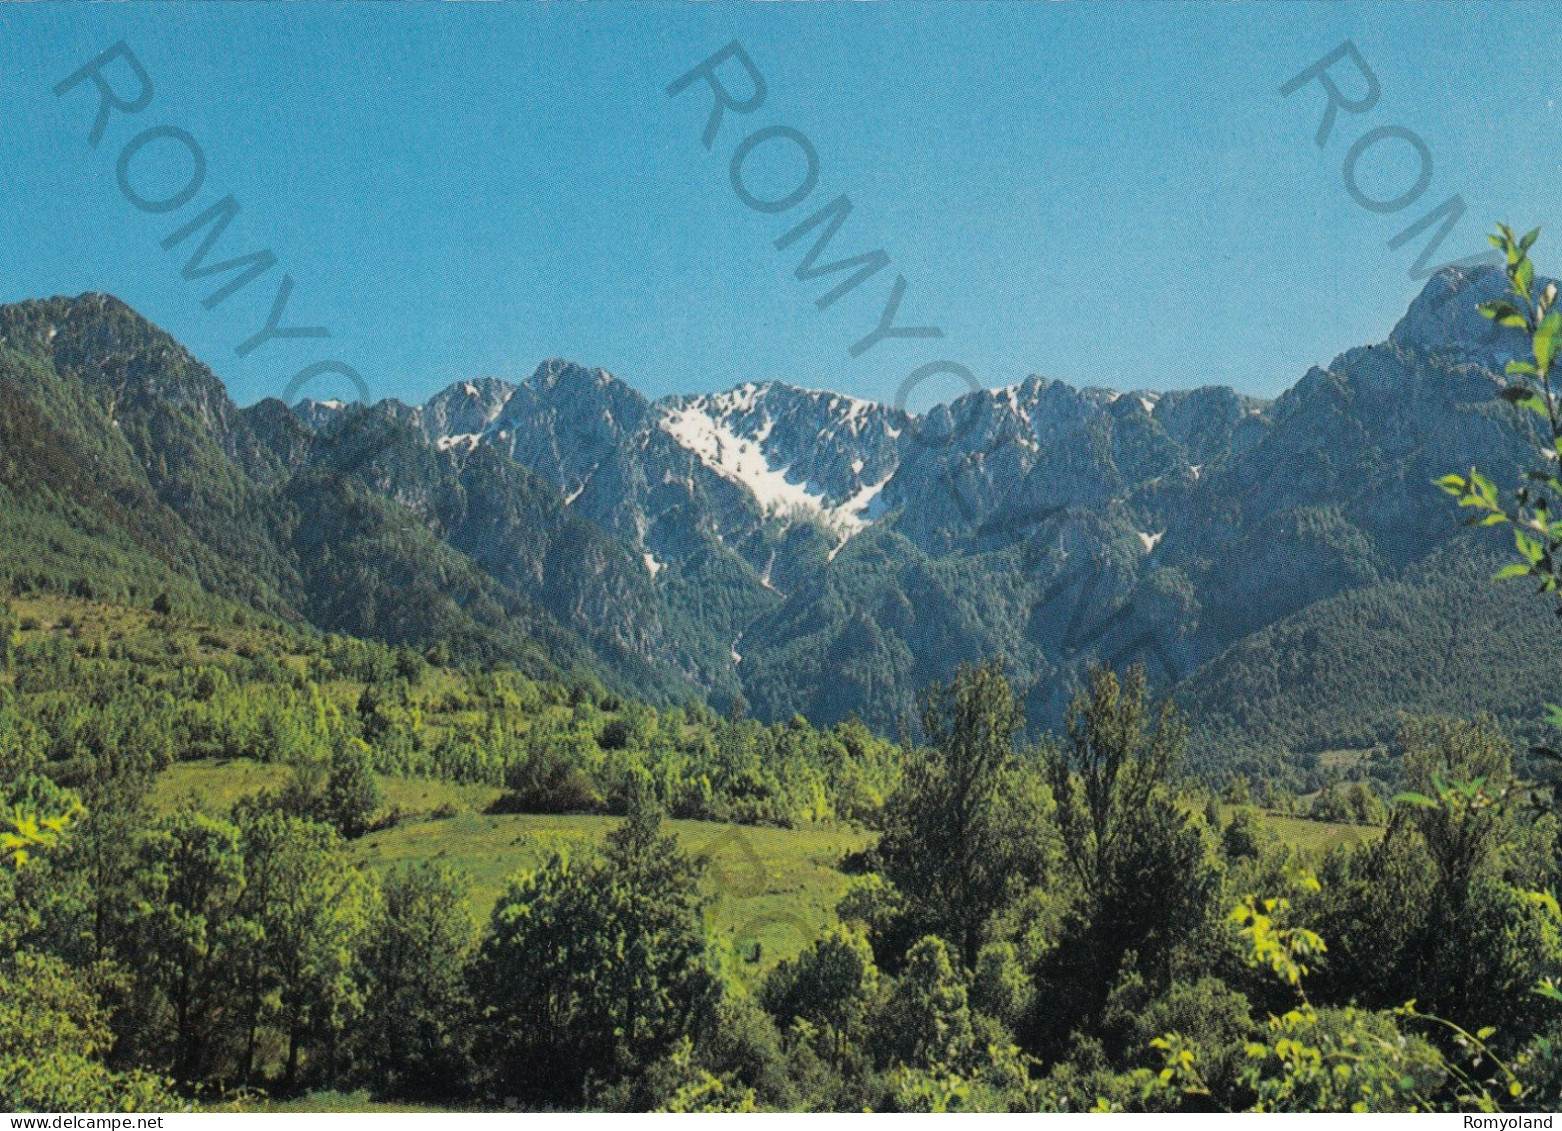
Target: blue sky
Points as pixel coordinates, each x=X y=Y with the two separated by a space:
x=1109 y=194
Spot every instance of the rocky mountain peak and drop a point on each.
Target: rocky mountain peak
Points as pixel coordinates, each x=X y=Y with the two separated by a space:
x=465 y=410
x=1444 y=320
x=558 y=376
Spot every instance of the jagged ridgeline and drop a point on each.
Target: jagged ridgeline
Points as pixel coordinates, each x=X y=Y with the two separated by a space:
x=1286 y=566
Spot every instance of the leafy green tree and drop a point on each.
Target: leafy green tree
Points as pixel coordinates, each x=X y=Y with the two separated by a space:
x=309 y=908
x=1349 y=1059
x=1243 y=837
x=1000 y=987
x=691 y=1088
x=412 y=1038
x=1372 y=907
x=1354 y=804
x=731 y=1061
x=1114 y=757
x=188 y=890
x=1305 y=1058
x=832 y=986
x=54 y=1038
x=1428 y=913
x=552 y=777
x=1238 y=791
x=1457 y=780
x=926 y=1022
x=596 y=968
x=8 y=624
x=352 y=793
x=955 y=846
x=24 y=831
x=1483 y=974
x=1146 y=866
x=1218 y=1022
x=43 y=900
x=108 y=756
x=54 y=1030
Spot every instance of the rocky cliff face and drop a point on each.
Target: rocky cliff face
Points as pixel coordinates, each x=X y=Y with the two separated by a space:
x=1196 y=516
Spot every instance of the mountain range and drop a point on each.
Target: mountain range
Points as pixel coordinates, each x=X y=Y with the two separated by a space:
x=1285 y=568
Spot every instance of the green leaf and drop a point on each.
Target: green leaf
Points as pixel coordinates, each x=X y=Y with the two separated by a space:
x=1420 y=799
x=1517 y=569
x=1546 y=339
x=1529 y=239
x=1520 y=397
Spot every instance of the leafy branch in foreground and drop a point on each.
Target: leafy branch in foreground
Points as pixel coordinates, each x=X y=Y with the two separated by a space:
x=1536 y=532
x=1312 y=1058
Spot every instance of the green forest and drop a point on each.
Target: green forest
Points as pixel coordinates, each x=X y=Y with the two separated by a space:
x=197 y=917
x=252 y=866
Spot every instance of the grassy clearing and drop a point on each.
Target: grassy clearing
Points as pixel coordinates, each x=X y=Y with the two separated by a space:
x=216 y=785
x=773 y=890
x=1318 y=836
x=213 y=785
x=182 y=638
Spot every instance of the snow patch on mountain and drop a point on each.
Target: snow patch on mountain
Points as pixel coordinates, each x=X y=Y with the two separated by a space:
x=732 y=434
x=862 y=508
x=740 y=459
